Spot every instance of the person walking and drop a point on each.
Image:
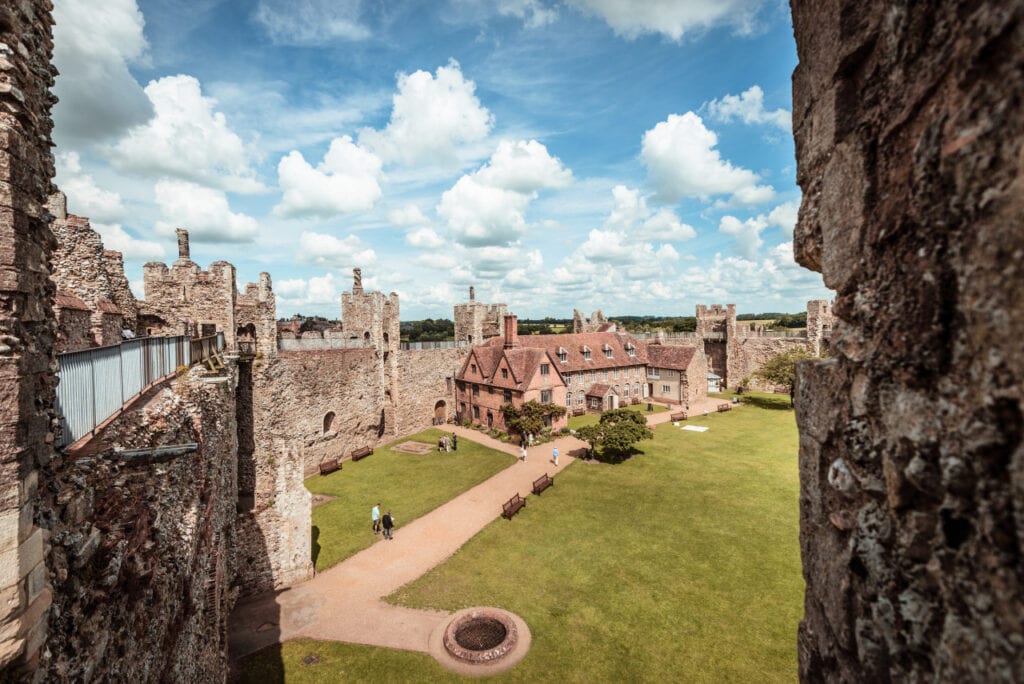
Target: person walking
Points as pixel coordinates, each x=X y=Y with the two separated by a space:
x=522 y=452
x=389 y=522
x=375 y=519
x=455 y=442
x=530 y=439
x=554 y=455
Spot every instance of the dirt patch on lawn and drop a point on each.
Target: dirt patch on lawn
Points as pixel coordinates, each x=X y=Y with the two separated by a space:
x=321 y=499
x=415 y=447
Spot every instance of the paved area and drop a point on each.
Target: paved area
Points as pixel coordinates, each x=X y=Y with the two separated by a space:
x=344 y=603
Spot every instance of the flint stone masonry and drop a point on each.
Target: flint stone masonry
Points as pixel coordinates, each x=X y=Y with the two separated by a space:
x=426 y=378
x=476 y=321
x=582 y=324
x=909 y=131
x=27 y=325
x=140 y=548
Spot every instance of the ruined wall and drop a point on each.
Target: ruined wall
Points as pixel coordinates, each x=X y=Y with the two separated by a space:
x=74 y=324
x=120 y=291
x=750 y=353
x=909 y=126
x=27 y=380
x=140 y=547
x=257 y=307
x=185 y=297
x=820 y=322
x=425 y=378
x=476 y=321
x=582 y=324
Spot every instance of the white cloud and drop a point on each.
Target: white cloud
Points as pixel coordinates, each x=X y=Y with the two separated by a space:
x=409 y=215
x=609 y=246
x=785 y=216
x=748 y=107
x=93 y=44
x=488 y=206
x=318 y=290
x=747 y=234
x=682 y=161
x=311 y=22
x=667 y=253
x=345 y=181
x=431 y=117
x=187 y=139
x=631 y=215
x=672 y=18
x=341 y=253
x=85 y=198
x=424 y=238
x=204 y=212
x=115 y=237
x=533 y=13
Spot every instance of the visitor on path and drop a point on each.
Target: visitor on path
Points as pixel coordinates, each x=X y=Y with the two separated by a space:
x=440 y=443
x=522 y=452
x=375 y=519
x=554 y=455
x=389 y=522
x=447 y=444
x=530 y=439
x=455 y=442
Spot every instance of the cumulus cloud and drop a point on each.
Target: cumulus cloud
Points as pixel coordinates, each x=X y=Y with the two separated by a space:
x=631 y=215
x=424 y=238
x=748 y=107
x=93 y=44
x=672 y=18
x=116 y=238
x=203 y=211
x=318 y=290
x=187 y=139
x=488 y=206
x=682 y=161
x=432 y=115
x=409 y=215
x=609 y=246
x=321 y=249
x=785 y=216
x=533 y=13
x=346 y=180
x=85 y=198
x=311 y=22
x=747 y=234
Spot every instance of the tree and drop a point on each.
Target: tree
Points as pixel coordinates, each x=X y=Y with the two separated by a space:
x=781 y=368
x=530 y=417
x=613 y=437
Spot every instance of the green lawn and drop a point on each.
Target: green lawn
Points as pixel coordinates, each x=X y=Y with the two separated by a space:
x=339 y=662
x=409 y=484
x=576 y=422
x=681 y=564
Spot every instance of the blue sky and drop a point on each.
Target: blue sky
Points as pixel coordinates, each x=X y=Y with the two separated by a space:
x=628 y=155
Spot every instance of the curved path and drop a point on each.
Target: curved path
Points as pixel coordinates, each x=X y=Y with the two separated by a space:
x=343 y=603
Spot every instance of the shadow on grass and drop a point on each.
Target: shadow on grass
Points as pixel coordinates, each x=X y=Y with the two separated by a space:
x=262 y=667
x=779 y=402
x=613 y=457
x=315 y=545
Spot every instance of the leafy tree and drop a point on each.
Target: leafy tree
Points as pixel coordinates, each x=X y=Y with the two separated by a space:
x=530 y=417
x=781 y=368
x=613 y=437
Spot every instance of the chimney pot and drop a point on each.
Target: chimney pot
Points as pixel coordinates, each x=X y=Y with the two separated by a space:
x=511 y=332
x=472 y=294
x=183 y=252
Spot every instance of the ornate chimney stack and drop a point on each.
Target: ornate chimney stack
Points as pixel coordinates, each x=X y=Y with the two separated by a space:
x=472 y=294
x=183 y=254
x=357 y=281
x=511 y=332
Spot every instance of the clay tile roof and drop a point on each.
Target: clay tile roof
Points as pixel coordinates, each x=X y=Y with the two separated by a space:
x=66 y=300
x=106 y=306
x=606 y=327
x=598 y=390
x=665 y=356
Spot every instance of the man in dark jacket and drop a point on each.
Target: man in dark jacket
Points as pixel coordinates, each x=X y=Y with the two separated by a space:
x=388 y=522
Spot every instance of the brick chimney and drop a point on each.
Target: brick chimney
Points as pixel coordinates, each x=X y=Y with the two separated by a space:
x=511 y=332
x=182 y=244
x=357 y=281
x=472 y=294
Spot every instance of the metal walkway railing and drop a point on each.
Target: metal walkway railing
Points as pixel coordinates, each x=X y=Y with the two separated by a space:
x=95 y=384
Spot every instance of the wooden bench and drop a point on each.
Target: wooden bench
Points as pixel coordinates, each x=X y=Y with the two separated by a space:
x=724 y=407
x=579 y=412
x=328 y=467
x=361 y=453
x=542 y=483
x=512 y=506
x=679 y=415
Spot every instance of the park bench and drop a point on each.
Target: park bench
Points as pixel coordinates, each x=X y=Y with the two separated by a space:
x=579 y=412
x=724 y=407
x=328 y=467
x=679 y=415
x=542 y=483
x=361 y=453
x=512 y=506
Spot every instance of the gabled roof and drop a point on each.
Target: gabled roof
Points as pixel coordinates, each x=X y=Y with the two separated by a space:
x=576 y=343
x=671 y=357
x=522 y=362
x=66 y=300
x=106 y=306
x=598 y=390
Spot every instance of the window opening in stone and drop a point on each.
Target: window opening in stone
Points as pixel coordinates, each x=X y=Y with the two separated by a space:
x=330 y=421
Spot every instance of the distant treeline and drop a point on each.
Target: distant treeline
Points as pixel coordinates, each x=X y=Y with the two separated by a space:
x=427 y=330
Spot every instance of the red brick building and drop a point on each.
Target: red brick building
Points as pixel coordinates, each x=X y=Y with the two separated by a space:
x=677 y=375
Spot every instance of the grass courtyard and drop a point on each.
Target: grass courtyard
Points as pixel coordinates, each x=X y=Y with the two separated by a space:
x=576 y=422
x=409 y=484
x=681 y=564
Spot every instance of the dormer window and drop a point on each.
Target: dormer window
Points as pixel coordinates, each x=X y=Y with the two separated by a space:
x=586 y=353
x=563 y=355
x=504 y=373
x=630 y=349
x=608 y=352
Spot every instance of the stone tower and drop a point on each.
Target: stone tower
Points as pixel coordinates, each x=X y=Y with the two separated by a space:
x=476 y=321
x=819 y=325
x=582 y=324
x=716 y=325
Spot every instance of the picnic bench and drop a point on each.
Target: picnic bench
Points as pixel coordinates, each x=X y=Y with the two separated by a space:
x=679 y=415
x=724 y=407
x=542 y=483
x=579 y=412
x=512 y=506
x=361 y=453
x=329 y=466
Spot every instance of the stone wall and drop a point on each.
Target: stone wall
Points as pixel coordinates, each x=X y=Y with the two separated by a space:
x=750 y=353
x=27 y=326
x=426 y=377
x=140 y=547
x=74 y=324
x=187 y=297
x=909 y=129
x=476 y=321
x=257 y=307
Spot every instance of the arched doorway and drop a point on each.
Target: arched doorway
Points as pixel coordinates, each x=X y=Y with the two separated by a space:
x=245 y=338
x=329 y=421
x=440 y=412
